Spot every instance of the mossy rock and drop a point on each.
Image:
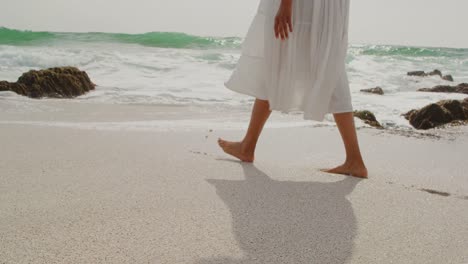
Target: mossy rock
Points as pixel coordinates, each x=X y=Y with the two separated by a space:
x=59 y=82
x=461 y=88
x=377 y=90
x=368 y=117
x=438 y=114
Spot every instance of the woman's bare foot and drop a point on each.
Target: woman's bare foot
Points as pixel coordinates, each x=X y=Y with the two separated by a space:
x=355 y=170
x=237 y=150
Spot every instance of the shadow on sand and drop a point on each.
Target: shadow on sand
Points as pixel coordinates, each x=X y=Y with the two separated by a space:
x=288 y=222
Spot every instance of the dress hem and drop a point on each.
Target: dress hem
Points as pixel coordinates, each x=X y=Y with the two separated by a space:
x=306 y=116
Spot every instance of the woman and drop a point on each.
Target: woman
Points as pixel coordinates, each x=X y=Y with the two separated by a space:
x=293 y=58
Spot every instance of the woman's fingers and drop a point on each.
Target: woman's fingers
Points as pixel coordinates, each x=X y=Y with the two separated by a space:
x=283 y=23
x=282 y=28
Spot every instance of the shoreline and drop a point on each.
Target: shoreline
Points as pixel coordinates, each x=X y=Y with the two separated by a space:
x=154 y=117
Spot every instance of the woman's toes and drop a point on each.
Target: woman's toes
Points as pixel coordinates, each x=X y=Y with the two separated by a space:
x=221 y=142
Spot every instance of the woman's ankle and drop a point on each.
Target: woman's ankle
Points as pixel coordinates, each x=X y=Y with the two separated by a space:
x=355 y=162
x=248 y=147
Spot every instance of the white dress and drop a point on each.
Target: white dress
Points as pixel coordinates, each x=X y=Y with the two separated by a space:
x=305 y=72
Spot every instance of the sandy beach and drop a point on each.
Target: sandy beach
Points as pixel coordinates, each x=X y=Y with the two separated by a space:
x=97 y=183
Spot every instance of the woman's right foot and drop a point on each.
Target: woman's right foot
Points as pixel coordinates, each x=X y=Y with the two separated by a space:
x=236 y=149
x=359 y=170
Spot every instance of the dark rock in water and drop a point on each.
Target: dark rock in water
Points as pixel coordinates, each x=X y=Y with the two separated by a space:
x=368 y=117
x=432 y=73
x=461 y=88
x=437 y=114
x=448 y=78
x=435 y=72
x=417 y=73
x=376 y=90
x=439 y=89
x=61 y=82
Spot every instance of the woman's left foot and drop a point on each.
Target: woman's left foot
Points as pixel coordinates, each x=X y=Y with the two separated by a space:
x=236 y=149
x=359 y=171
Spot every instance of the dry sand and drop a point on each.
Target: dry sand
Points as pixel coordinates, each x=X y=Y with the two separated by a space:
x=106 y=193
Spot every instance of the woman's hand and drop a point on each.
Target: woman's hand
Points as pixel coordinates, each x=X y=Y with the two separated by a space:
x=283 y=20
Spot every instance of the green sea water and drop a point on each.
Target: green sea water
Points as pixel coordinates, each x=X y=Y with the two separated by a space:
x=179 y=40
x=152 y=39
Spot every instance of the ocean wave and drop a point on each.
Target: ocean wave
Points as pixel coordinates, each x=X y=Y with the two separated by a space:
x=18 y=37
x=174 y=40
x=403 y=51
x=178 y=40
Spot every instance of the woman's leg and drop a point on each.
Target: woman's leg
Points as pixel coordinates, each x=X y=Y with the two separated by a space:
x=354 y=164
x=245 y=149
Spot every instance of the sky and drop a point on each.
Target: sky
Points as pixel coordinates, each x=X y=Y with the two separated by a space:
x=433 y=23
